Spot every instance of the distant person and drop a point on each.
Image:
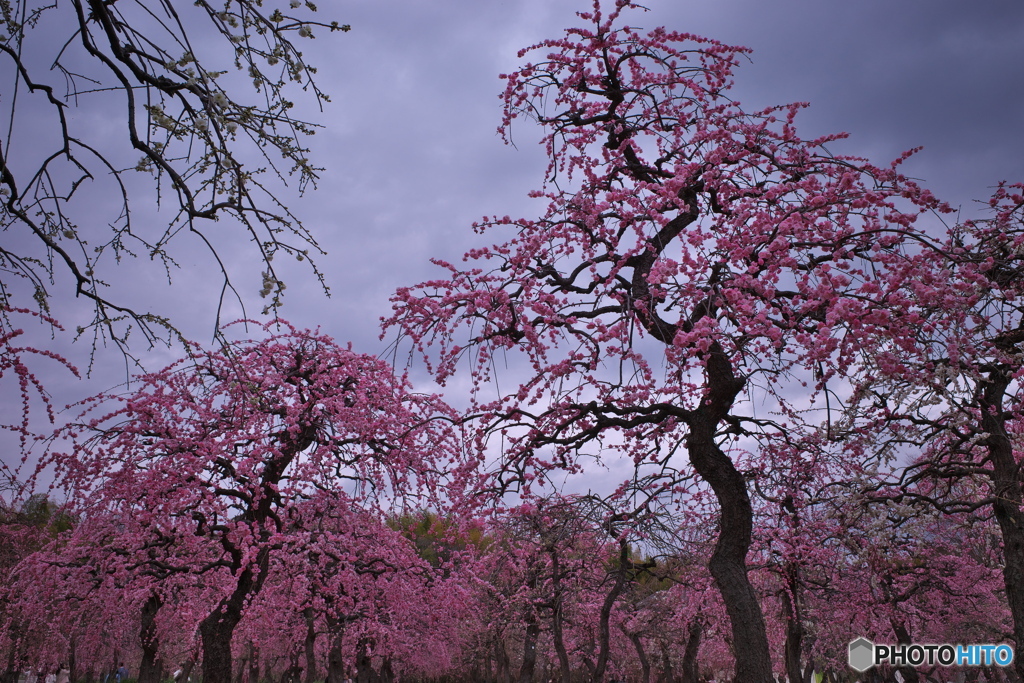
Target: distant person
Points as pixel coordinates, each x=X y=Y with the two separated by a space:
x=122 y=674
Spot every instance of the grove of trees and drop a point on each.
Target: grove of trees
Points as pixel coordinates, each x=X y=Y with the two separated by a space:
x=804 y=372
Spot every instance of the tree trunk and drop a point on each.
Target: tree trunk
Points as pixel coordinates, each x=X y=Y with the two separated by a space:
x=690 y=665
x=186 y=671
x=604 y=629
x=1006 y=486
x=488 y=670
x=589 y=663
x=667 y=675
x=293 y=674
x=557 y=637
x=310 y=646
x=728 y=564
x=218 y=628
x=336 y=659
x=529 y=648
x=216 y=632
x=794 y=632
x=908 y=673
x=364 y=663
x=151 y=666
x=502 y=664
x=565 y=671
x=73 y=660
x=11 y=674
x=645 y=663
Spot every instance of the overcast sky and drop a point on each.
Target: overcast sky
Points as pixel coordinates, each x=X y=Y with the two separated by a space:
x=412 y=157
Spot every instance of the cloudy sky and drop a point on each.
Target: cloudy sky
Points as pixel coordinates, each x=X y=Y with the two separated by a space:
x=412 y=157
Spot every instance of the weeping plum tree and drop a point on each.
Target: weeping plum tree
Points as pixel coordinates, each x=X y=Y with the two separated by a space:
x=694 y=261
x=955 y=392
x=208 y=462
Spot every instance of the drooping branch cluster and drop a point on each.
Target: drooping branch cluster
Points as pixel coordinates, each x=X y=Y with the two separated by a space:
x=170 y=78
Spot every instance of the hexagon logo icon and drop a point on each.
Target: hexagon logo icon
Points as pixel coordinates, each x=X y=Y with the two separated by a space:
x=862 y=654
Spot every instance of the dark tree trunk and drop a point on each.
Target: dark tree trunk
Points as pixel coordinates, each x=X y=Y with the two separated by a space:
x=564 y=668
x=310 y=645
x=645 y=663
x=728 y=561
x=1006 y=484
x=488 y=671
x=604 y=619
x=293 y=674
x=218 y=628
x=11 y=673
x=690 y=664
x=151 y=666
x=364 y=663
x=216 y=632
x=501 y=662
x=587 y=662
x=557 y=636
x=73 y=660
x=186 y=671
x=794 y=633
x=667 y=675
x=336 y=659
x=529 y=648
x=728 y=564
